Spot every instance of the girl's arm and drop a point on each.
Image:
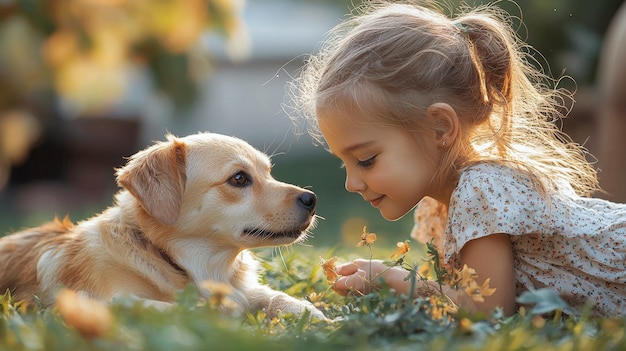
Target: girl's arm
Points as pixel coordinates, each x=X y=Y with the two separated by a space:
x=490 y=256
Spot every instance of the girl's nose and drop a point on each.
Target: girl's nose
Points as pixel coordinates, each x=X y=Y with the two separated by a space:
x=354 y=184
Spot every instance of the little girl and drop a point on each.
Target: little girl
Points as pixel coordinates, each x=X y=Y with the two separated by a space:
x=419 y=105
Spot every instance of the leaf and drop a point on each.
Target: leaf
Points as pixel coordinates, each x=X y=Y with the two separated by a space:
x=545 y=300
x=297 y=288
x=303 y=321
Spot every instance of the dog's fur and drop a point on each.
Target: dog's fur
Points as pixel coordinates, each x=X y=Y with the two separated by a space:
x=188 y=211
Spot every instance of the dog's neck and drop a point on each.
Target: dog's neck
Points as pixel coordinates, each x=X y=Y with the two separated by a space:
x=206 y=262
x=141 y=238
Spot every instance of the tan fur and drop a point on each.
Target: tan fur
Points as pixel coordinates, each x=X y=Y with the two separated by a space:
x=181 y=217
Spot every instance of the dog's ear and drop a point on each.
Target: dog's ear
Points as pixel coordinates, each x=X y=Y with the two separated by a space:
x=157 y=177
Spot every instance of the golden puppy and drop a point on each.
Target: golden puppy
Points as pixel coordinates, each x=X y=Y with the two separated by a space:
x=188 y=210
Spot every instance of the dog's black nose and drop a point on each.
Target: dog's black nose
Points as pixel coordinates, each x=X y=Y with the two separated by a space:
x=307 y=201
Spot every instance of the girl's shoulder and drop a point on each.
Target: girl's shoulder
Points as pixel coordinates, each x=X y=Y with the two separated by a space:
x=496 y=186
x=493 y=174
x=489 y=167
x=491 y=198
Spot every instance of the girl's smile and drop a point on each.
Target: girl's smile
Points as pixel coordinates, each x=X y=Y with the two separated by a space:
x=376 y=201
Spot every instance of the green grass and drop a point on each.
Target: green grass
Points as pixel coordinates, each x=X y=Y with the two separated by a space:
x=378 y=321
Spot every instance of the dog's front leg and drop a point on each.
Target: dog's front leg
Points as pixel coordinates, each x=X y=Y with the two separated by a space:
x=156 y=304
x=281 y=303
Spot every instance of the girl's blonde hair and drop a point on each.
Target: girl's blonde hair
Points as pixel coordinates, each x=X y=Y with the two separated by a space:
x=394 y=60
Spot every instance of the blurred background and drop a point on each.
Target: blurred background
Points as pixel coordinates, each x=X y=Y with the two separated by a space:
x=85 y=83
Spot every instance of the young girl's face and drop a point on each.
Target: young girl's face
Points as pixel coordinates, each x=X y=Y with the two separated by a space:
x=385 y=165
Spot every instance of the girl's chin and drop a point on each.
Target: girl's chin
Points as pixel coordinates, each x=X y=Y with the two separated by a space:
x=393 y=216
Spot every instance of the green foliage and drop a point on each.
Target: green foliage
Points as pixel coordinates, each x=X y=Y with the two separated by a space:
x=377 y=321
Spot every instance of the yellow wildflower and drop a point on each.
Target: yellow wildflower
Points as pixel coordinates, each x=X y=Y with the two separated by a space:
x=436 y=312
x=317 y=300
x=465 y=324
x=90 y=317
x=479 y=292
x=219 y=293
x=440 y=309
x=403 y=248
x=466 y=276
x=328 y=267
x=367 y=239
x=424 y=270
x=538 y=322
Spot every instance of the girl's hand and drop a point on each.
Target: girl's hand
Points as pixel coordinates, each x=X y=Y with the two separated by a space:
x=362 y=276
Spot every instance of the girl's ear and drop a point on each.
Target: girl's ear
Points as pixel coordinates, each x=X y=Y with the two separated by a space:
x=445 y=121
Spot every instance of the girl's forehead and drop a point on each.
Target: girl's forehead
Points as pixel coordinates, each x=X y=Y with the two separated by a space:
x=345 y=125
x=334 y=123
x=349 y=111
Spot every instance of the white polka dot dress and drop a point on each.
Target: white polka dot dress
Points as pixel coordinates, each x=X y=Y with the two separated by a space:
x=575 y=245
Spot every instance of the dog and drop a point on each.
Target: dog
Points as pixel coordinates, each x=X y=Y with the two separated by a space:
x=188 y=211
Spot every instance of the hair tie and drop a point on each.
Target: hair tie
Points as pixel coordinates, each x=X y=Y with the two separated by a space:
x=463 y=28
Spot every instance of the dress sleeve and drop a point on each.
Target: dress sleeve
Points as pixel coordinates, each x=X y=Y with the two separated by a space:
x=491 y=199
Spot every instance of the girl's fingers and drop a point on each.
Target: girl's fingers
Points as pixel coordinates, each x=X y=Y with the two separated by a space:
x=352 y=282
x=340 y=286
x=347 y=268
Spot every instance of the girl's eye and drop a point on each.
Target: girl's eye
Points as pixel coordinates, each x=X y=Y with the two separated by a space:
x=366 y=163
x=239 y=179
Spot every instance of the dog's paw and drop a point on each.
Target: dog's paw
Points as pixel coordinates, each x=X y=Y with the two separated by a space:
x=285 y=304
x=132 y=299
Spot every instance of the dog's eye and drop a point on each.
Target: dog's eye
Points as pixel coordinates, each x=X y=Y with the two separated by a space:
x=239 y=179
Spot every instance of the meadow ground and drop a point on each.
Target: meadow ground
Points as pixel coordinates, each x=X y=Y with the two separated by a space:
x=378 y=321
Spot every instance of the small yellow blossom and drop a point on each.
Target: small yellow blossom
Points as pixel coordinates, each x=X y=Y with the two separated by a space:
x=220 y=293
x=440 y=309
x=436 y=311
x=367 y=239
x=465 y=324
x=402 y=249
x=424 y=270
x=466 y=276
x=328 y=267
x=90 y=317
x=317 y=300
x=479 y=292
x=538 y=322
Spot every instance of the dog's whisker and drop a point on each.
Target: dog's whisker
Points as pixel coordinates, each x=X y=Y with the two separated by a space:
x=302 y=243
x=282 y=258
